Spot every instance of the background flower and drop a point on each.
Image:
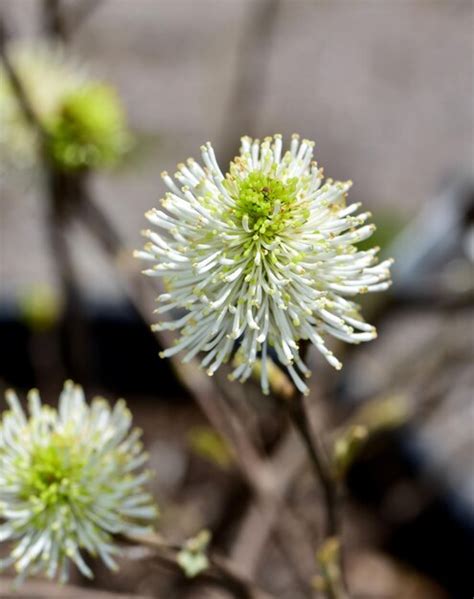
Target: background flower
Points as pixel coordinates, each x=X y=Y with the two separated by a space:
x=266 y=254
x=83 y=117
x=69 y=482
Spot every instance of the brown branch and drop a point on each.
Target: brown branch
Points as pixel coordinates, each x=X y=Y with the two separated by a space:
x=318 y=460
x=262 y=515
x=62 y=190
x=82 y=12
x=21 y=96
x=221 y=571
x=62 y=194
x=42 y=589
x=252 y=72
x=63 y=25
x=53 y=20
x=326 y=479
x=263 y=512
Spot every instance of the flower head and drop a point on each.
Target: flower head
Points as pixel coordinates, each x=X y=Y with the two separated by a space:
x=88 y=130
x=84 y=119
x=68 y=482
x=266 y=254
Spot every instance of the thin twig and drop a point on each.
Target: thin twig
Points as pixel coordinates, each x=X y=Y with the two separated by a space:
x=21 y=96
x=251 y=72
x=43 y=589
x=315 y=452
x=53 y=20
x=61 y=25
x=324 y=476
x=220 y=570
x=62 y=192
x=82 y=13
x=263 y=513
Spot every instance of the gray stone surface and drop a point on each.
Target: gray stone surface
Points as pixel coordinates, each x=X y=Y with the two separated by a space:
x=385 y=88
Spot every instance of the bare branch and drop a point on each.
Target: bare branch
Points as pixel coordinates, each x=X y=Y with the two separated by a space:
x=16 y=83
x=252 y=72
x=53 y=20
x=221 y=570
x=41 y=589
x=62 y=24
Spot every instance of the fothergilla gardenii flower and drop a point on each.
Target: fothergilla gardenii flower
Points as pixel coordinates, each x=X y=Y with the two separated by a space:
x=83 y=118
x=265 y=254
x=70 y=479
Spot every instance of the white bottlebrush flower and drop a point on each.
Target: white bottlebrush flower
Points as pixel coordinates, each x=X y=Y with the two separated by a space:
x=266 y=254
x=69 y=482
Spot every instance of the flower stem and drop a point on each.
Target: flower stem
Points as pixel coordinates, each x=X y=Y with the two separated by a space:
x=329 y=486
x=319 y=464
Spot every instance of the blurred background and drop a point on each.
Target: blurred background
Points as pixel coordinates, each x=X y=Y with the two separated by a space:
x=386 y=90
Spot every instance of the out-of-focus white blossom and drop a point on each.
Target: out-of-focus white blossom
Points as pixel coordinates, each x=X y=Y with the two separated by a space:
x=70 y=479
x=83 y=118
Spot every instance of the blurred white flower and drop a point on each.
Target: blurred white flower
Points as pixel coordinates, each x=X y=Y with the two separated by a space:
x=266 y=254
x=84 y=118
x=47 y=76
x=69 y=482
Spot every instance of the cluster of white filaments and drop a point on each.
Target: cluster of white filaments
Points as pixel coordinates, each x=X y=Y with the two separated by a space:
x=69 y=483
x=265 y=256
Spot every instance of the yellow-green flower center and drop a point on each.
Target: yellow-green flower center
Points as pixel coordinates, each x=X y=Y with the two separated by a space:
x=54 y=472
x=266 y=202
x=90 y=129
